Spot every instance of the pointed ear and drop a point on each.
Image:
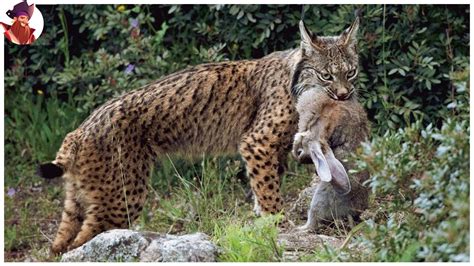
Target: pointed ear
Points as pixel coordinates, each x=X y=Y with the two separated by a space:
x=308 y=39
x=305 y=34
x=320 y=163
x=349 y=36
x=340 y=180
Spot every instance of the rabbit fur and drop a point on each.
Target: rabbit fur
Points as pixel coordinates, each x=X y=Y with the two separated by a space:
x=328 y=132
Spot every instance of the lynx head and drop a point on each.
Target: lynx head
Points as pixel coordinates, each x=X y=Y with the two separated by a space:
x=327 y=62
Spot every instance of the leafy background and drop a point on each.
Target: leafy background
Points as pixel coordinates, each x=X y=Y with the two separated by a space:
x=414 y=83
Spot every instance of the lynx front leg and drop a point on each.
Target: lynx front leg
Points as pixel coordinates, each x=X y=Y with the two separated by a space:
x=261 y=157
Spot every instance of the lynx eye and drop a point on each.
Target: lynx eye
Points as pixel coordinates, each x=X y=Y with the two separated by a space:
x=325 y=76
x=351 y=74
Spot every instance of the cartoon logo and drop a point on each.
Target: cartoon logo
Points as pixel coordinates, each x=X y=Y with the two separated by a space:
x=27 y=23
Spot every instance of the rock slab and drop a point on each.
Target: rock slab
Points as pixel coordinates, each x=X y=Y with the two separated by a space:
x=121 y=245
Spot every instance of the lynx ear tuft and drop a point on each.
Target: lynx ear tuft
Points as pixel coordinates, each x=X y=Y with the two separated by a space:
x=349 y=36
x=305 y=34
x=309 y=39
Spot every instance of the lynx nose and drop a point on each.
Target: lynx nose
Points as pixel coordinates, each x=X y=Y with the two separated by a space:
x=342 y=94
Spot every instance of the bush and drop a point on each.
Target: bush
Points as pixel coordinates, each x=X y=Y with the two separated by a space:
x=420 y=177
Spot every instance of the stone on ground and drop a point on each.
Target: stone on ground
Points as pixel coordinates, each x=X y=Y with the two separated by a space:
x=128 y=246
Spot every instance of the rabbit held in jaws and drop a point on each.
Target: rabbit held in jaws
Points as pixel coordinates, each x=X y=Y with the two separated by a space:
x=328 y=132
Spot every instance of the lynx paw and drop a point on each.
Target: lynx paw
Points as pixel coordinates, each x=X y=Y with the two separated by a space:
x=58 y=248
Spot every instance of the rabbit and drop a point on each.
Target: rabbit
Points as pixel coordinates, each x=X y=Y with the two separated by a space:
x=328 y=132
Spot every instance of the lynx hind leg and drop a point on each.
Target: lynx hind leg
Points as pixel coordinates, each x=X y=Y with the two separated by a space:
x=71 y=221
x=116 y=206
x=262 y=164
x=90 y=227
x=128 y=197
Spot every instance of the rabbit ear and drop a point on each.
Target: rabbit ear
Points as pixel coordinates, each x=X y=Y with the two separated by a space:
x=340 y=180
x=320 y=162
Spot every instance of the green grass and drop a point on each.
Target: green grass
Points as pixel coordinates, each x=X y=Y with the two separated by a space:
x=207 y=195
x=35 y=131
x=250 y=241
x=30 y=219
x=211 y=200
x=33 y=134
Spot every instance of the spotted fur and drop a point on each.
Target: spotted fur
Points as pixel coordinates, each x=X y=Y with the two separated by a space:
x=217 y=108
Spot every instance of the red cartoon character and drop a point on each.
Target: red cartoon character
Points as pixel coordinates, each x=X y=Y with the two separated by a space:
x=20 y=32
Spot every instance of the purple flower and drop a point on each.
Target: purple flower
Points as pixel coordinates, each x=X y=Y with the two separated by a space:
x=11 y=192
x=134 y=23
x=129 y=69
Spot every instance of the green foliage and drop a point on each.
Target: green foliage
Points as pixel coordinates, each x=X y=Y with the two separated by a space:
x=256 y=242
x=35 y=132
x=210 y=201
x=201 y=195
x=421 y=175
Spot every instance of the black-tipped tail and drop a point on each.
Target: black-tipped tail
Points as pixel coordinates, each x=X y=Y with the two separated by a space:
x=49 y=170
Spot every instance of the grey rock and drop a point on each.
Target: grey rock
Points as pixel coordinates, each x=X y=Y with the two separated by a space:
x=113 y=245
x=127 y=245
x=187 y=248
